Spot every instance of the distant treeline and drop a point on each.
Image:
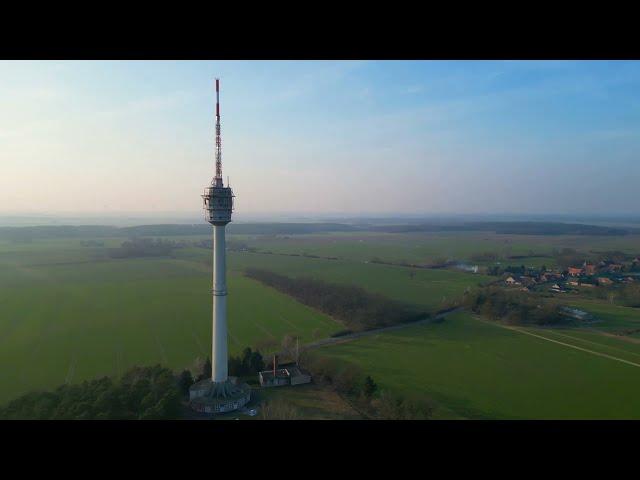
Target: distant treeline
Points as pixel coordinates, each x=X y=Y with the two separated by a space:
x=569 y=257
x=515 y=228
x=141 y=393
x=144 y=247
x=25 y=234
x=98 y=231
x=354 y=306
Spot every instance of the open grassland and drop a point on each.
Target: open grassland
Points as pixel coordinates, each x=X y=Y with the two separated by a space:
x=69 y=314
x=431 y=247
x=429 y=289
x=476 y=369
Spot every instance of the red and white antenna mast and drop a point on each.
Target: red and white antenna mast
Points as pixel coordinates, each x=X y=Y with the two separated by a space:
x=217 y=181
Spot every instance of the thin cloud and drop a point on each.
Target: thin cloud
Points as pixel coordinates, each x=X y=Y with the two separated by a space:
x=414 y=89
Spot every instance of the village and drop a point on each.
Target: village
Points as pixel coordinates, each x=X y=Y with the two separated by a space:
x=589 y=275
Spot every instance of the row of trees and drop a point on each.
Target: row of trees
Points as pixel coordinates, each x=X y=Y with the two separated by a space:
x=570 y=257
x=144 y=247
x=232 y=245
x=357 y=308
x=513 y=307
x=497 y=270
x=485 y=257
x=141 y=393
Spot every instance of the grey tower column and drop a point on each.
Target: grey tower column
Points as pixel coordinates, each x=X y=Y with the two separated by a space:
x=219 y=359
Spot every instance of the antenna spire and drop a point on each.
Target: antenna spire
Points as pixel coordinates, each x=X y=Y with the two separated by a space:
x=217 y=181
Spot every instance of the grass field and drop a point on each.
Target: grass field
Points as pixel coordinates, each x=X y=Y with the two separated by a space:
x=475 y=369
x=69 y=315
x=430 y=289
x=429 y=247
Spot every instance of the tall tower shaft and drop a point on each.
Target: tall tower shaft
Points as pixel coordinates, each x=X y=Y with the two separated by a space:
x=218 y=205
x=219 y=354
x=219 y=393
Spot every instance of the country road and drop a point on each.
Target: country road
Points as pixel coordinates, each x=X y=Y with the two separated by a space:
x=367 y=333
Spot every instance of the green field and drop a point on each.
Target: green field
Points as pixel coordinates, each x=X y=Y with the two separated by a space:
x=431 y=289
x=474 y=369
x=430 y=247
x=68 y=314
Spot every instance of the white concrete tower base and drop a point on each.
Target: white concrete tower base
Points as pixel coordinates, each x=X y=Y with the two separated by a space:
x=219 y=360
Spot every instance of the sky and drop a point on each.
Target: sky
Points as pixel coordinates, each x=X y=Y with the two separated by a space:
x=317 y=137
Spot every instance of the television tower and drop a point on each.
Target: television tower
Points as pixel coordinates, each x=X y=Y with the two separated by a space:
x=219 y=393
x=218 y=204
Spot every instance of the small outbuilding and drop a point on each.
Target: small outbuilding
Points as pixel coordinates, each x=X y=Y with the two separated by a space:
x=287 y=374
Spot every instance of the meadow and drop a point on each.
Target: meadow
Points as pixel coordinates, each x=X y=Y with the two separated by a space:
x=475 y=369
x=68 y=314
x=430 y=289
x=431 y=247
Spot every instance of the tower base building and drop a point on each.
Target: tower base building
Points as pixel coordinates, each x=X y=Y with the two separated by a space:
x=208 y=396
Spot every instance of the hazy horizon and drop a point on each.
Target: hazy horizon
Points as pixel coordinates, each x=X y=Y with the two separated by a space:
x=419 y=138
x=146 y=218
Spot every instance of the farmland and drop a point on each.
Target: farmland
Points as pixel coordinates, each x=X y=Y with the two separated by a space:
x=69 y=312
x=475 y=369
x=427 y=288
x=430 y=247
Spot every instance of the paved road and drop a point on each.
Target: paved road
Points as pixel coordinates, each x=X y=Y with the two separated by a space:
x=367 y=333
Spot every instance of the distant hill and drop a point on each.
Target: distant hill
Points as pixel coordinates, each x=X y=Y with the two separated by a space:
x=98 y=231
x=520 y=228
x=101 y=231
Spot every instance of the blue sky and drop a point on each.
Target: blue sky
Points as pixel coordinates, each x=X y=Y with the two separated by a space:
x=322 y=137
